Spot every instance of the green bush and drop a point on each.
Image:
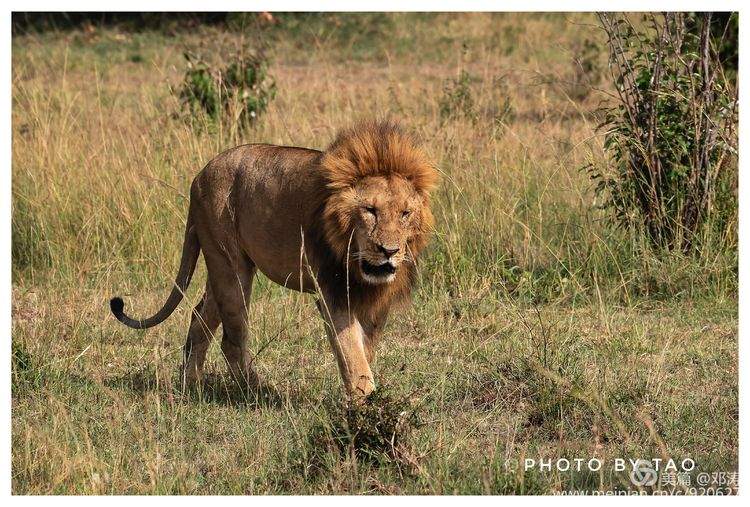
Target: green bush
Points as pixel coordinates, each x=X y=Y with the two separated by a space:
x=457 y=99
x=672 y=133
x=239 y=93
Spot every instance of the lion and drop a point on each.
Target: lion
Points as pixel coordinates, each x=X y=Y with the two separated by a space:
x=347 y=224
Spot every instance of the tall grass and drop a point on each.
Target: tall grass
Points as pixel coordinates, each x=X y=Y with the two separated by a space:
x=101 y=173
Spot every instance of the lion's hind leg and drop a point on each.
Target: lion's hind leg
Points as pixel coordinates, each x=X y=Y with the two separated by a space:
x=203 y=324
x=231 y=274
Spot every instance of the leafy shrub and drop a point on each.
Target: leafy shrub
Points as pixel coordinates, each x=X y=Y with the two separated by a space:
x=199 y=90
x=672 y=133
x=457 y=100
x=239 y=93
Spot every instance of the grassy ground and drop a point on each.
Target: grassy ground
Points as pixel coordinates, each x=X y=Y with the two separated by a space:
x=537 y=330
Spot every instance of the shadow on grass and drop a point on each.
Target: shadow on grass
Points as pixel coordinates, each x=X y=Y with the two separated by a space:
x=29 y=377
x=215 y=388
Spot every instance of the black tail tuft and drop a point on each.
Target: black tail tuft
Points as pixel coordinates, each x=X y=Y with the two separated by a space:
x=117 y=306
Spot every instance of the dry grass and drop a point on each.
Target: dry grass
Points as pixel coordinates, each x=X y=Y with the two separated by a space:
x=536 y=331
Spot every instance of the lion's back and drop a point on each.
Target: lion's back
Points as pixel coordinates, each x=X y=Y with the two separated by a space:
x=263 y=172
x=268 y=194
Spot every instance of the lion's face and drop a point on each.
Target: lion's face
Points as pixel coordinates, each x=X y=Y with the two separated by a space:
x=376 y=213
x=388 y=214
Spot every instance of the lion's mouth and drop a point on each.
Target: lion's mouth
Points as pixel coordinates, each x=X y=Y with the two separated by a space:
x=378 y=272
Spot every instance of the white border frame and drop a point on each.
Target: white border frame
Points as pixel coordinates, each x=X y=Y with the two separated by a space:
x=340 y=5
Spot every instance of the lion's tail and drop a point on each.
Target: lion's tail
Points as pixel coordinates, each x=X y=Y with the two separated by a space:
x=190 y=252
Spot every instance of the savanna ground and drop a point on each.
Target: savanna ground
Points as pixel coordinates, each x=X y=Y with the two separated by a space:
x=537 y=329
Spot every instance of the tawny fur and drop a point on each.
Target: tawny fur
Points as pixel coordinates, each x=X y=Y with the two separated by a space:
x=300 y=217
x=372 y=149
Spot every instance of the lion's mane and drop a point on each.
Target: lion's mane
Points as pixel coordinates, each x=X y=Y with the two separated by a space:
x=375 y=148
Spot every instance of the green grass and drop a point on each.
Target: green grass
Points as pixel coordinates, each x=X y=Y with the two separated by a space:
x=536 y=330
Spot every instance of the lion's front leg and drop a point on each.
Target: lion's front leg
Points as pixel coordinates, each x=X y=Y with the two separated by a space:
x=348 y=342
x=373 y=328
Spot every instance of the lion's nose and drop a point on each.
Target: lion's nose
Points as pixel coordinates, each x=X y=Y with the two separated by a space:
x=388 y=251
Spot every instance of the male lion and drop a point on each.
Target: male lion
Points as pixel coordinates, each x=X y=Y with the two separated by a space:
x=346 y=223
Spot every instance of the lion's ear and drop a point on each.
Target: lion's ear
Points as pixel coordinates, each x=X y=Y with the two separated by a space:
x=430 y=181
x=428 y=221
x=426 y=225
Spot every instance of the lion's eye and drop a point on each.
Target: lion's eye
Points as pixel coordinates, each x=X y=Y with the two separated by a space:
x=371 y=210
x=406 y=213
